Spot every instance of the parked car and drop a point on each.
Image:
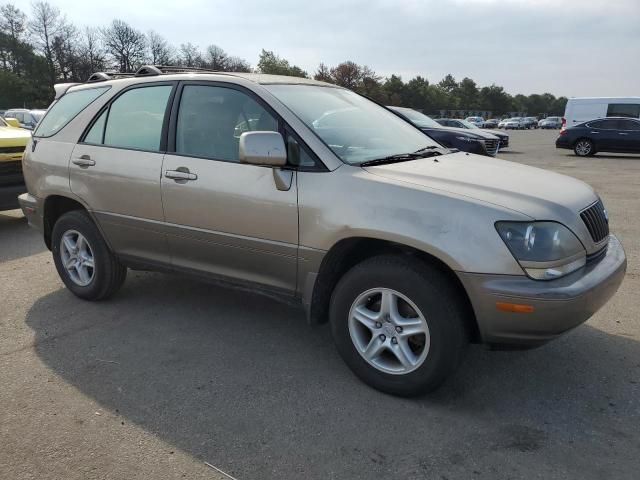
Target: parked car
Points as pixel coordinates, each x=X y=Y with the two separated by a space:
x=492 y=123
x=550 y=123
x=477 y=121
x=614 y=134
x=580 y=110
x=454 y=122
x=28 y=118
x=514 y=123
x=13 y=140
x=477 y=142
x=408 y=249
x=530 y=122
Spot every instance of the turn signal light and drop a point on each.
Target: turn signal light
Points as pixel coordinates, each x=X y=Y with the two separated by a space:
x=514 y=307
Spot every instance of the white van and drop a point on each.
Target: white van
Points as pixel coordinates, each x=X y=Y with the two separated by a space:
x=579 y=110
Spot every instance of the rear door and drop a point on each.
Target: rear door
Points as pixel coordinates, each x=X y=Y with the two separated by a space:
x=629 y=135
x=116 y=168
x=226 y=218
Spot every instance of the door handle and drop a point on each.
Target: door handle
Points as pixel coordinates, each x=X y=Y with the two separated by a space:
x=595 y=132
x=621 y=133
x=84 y=161
x=182 y=174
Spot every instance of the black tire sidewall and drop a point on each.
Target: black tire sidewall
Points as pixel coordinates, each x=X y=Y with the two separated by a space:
x=432 y=294
x=81 y=222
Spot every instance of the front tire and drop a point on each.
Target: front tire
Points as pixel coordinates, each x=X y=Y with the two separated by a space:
x=398 y=324
x=584 y=148
x=83 y=260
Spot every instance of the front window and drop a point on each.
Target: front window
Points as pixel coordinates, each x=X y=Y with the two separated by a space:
x=354 y=128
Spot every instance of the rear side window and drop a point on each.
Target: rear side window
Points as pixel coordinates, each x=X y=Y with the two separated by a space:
x=66 y=109
x=134 y=120
x=631 y=110
x=628 y=125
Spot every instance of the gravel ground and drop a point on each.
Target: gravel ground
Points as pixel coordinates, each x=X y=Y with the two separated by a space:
x=173 y=373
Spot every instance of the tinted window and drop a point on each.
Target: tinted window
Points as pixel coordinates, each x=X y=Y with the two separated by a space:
x=136 y=117
x=211 y=120
x=95 y=134
x=623 y=110
x=604 y=124
x=65 y=109
x=628 y=125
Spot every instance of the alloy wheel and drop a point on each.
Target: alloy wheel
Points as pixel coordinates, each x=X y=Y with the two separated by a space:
x=77 y=257
x=583 y=148
x=389 y=331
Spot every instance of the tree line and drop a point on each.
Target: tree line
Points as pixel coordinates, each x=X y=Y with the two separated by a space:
x=43 y=47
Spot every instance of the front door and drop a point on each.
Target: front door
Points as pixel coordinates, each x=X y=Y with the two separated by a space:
x=223 y=217
x=116 y=170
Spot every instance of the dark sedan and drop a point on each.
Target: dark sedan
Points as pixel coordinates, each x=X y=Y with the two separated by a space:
x=612 y=134
x=454 y=122
x=475 y=141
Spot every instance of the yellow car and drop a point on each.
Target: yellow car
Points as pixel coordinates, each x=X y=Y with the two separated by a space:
x=12 y=143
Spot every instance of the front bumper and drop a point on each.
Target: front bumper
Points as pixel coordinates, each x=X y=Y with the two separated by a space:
x=558 y=305
x=9 y=196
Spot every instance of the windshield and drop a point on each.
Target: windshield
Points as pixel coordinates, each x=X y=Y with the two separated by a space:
x=3 y=123
x=468 y=124
x=354 y=128
x=417 y=118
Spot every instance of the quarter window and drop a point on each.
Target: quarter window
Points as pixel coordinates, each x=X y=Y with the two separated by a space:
x=65 y=110
x=211 y=120
x=135 y=118
x=631 y=110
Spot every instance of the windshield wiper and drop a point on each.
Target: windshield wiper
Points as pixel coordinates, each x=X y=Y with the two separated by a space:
x=430 y=151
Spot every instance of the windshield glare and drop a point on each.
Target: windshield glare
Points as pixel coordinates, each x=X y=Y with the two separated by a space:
x=417 y=118
x=354 y=128
x=468 y=124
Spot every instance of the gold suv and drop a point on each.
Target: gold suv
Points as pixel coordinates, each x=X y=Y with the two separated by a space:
x=310 y=191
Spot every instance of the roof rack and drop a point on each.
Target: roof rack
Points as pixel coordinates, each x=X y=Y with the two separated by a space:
x=103 y=76
x=147 y=71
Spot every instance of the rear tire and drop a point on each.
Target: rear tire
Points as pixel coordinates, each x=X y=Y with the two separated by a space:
x=584 y=148
x=83 y=260
x=426 y=302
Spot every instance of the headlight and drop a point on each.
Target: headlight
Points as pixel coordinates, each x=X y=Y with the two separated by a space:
x=545 y=250
x=466 y=139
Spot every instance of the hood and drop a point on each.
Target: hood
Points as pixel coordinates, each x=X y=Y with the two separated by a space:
x=20 y=135
x=536 y=193
x=497 y=134
x=474 y=132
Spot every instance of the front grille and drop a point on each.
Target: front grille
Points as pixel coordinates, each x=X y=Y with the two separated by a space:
x=12 y=149
x=596 y=220
x=492 y=146
x=11 y=168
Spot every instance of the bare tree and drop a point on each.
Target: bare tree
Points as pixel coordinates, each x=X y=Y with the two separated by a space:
x=45 y=25
x=237 y=64
x=64 y=47
x=216 y=58
x=13 y=22
x=190 y=56
x=160 y=52
x=92 y=52
x=125 y=45
x=323 y=73
x=347 y=74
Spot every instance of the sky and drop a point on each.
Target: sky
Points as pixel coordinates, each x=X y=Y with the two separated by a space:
x=565 y=47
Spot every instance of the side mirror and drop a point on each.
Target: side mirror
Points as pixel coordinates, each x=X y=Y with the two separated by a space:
x=12 y=122
x=262 y=148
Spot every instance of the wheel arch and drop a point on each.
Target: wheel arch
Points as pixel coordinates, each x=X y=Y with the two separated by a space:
x=54 y=207
x=348 y=252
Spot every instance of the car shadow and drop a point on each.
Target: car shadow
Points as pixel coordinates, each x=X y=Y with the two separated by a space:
x=622 y=156
x=17 y=239
x=240 y=380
